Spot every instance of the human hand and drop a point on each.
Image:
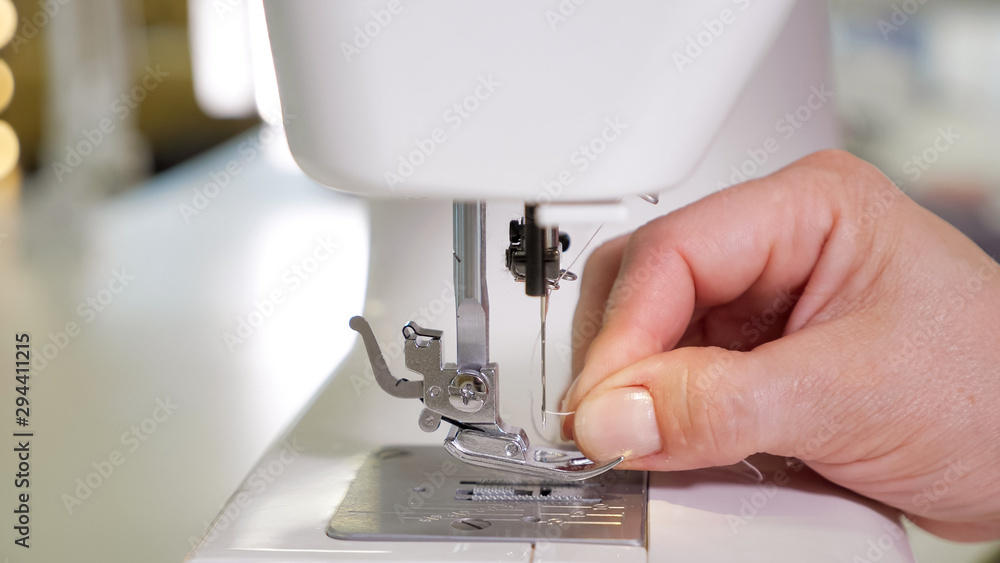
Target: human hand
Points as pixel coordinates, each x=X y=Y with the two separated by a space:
x=816 y=313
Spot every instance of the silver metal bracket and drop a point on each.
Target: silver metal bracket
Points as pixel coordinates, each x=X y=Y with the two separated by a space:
x=469 y=400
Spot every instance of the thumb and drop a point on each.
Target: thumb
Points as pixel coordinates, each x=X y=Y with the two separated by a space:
x=699 y=407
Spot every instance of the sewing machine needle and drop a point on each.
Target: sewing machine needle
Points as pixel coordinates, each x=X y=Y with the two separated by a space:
x=544 y=308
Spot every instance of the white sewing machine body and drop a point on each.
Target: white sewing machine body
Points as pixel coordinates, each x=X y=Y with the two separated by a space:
x=492 y=100
x=503 y=101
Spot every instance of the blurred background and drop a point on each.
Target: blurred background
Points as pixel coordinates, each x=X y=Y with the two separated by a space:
x=905 y=70
x=124 y=121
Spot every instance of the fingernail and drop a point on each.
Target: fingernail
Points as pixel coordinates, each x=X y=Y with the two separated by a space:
x=617 y=423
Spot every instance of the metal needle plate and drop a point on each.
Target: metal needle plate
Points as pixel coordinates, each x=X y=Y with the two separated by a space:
x=424 y=494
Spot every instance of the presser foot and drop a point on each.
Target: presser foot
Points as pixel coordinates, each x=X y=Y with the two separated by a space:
x=509 y=453
x=469 y=400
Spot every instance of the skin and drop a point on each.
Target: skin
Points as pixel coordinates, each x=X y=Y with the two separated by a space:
x=817 y=313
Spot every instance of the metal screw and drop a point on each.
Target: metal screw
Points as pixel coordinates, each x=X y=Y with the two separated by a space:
x=512 y=449
x=434 y=391
x=467 y=392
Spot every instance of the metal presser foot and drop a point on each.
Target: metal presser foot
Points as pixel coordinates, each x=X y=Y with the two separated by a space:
x=468 y=399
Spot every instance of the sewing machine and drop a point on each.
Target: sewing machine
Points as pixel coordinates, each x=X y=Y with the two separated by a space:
x=485 y=133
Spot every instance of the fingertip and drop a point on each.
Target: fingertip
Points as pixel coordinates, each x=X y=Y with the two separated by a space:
x=618 y=423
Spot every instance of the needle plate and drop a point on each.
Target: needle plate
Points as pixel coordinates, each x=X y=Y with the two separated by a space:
x=422 y=493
